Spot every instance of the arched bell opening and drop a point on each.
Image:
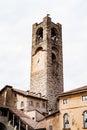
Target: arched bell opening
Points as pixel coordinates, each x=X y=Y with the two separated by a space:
x=54 y=34
x=39 y=35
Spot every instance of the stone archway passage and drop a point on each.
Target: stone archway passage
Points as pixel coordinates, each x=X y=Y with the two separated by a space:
x=2 y=126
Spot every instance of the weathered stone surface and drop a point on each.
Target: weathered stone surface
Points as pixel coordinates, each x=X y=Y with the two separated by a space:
x=47 y=61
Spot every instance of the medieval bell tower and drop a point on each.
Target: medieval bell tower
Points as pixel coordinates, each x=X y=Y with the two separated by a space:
x=47 y=63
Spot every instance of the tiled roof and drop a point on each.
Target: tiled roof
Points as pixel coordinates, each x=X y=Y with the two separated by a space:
x=74 y=91
x=25 y=93
x=41 y=124
x=26 y=119
x=28 y=93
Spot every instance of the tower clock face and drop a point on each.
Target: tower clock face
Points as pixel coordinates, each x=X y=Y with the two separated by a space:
x=38 y=62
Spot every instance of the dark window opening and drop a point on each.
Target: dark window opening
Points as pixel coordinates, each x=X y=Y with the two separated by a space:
x=22 y=104
x=3 y=112
x=85 y=119
x=39 y=35
x=30 y=103
x=22 y=109
x=53 y=57
x=84 y=98
x=37 y=104
x=66 y=121
x=50 y=127
x=65 y=101
x=54 y=35
x=43 y=104
x=0 y=113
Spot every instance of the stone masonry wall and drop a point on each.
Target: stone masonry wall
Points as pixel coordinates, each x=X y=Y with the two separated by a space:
x=55 y=69
x=47 y=80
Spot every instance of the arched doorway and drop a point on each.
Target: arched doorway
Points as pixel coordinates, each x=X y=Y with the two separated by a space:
x=2 y=126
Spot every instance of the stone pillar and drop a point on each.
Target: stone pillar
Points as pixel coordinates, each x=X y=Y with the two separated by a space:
x=26 y=127
x=13 y=120
x=19 y=125
x=8 y=115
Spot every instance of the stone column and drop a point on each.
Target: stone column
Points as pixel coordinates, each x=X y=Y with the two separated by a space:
x=19 y=125
x=26 y=127
x=13 y=120
x=8 y=115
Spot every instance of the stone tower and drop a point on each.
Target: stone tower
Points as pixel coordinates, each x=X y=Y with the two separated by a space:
x=47 y=61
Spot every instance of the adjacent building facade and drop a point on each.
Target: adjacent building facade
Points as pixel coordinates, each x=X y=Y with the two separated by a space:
x=72 y=112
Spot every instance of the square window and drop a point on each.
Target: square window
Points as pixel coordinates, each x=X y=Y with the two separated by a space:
x=30 y=103
x=65 y=101
x=15 y=103
x=22 y=104
x=84 y=98
x=37 y=104
x=50 y=127
x=43 y=104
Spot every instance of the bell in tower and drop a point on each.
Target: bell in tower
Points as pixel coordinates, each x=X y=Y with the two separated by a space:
x=47 y=61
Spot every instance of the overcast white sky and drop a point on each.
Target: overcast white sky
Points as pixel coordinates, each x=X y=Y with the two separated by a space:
x=16 y=19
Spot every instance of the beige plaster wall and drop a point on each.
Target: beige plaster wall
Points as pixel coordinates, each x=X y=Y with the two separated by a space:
x=74 y=108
